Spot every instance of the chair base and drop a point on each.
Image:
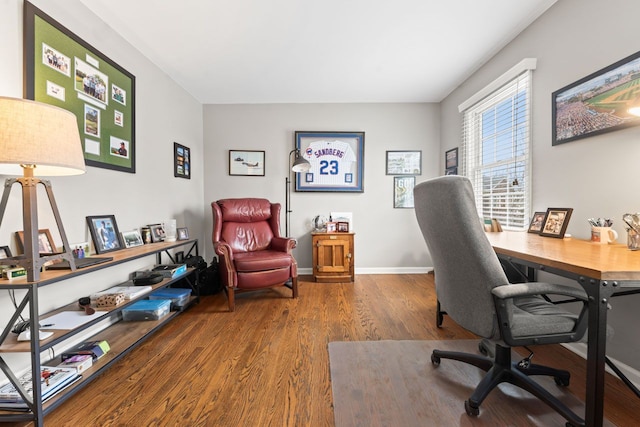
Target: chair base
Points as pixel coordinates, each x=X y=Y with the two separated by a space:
x=502 y=369
x=231 y=292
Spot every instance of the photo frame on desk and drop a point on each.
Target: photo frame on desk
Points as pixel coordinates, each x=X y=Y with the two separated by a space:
x=104 y=233
x=555 y=222
x=535 y=226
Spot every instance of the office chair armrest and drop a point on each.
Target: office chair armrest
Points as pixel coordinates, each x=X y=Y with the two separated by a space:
x=538 y=288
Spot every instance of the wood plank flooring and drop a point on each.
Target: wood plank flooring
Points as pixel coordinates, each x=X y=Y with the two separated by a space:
x=267 y=363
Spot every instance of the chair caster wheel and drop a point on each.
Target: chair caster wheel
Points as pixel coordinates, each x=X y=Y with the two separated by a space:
x=470 y=410
x=562 y=382
x=435 y=360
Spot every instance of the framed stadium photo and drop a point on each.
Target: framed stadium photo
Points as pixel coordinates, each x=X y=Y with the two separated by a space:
x=336 y=158
x=597 y=103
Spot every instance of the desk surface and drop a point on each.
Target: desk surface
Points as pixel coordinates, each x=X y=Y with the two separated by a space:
x=581 y=257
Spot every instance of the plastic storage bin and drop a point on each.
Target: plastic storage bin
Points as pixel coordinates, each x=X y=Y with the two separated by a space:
x=147 y=310
x=178 y=296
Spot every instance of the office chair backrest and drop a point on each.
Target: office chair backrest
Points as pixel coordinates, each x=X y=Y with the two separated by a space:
x=466 y=267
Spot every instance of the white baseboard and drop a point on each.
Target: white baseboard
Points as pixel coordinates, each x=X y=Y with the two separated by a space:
x=581 y=350
x=381 y=270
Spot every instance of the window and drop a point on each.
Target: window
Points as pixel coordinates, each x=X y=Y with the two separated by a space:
x=496 y=146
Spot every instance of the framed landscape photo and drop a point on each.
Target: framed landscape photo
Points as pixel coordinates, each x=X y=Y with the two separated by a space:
x=104 y=233
x=132 y=239
x=403 y=191
x=246 y=163
x=336 y=158
x=597 y=103
x=181 y=161
x=404 y=162
x=63 y=70
x=555 y=222
x=536 y=222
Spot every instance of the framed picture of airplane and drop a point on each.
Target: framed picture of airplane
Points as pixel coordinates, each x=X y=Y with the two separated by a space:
x=246 y=162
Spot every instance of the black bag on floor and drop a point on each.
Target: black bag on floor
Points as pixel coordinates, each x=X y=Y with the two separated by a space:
x=208 y=278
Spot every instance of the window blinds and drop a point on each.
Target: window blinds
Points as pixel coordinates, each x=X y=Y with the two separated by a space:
x=495 y=152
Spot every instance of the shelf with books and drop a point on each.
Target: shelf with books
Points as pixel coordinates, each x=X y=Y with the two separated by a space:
x=122 y=336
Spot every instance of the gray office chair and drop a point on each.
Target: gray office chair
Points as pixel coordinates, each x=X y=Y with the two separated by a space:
x=473 y=289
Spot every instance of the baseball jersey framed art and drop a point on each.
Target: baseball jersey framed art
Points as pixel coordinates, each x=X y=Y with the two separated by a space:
x=336 y=158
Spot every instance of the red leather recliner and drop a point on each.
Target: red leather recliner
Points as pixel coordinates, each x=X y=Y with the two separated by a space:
x=246 y=238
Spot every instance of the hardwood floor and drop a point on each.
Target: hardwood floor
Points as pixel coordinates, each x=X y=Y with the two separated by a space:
x=267 y=363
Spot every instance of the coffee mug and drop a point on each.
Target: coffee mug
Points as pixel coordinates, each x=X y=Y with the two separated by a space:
x=603 y=235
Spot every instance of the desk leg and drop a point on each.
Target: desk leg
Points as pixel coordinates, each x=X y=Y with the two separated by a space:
x=599 y=293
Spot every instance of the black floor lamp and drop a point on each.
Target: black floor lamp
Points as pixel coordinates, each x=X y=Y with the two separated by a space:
x=300 y=164
x=37 y=140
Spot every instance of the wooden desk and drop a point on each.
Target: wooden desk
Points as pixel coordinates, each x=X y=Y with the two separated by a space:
x=600 y=269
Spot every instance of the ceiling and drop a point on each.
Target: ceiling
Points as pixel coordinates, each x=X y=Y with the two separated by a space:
x=322 y=51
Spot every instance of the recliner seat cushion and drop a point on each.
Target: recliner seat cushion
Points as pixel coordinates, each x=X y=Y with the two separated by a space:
x=261 y=261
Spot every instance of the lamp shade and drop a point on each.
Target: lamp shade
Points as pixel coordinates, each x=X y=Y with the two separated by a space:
x=300 y=164
x=40 y=135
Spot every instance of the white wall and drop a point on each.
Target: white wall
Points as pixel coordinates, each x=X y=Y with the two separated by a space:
x=387 y=239
x=165 y=113
x=596 y=176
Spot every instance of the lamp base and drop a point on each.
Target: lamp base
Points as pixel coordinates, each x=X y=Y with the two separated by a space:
x=32 y=260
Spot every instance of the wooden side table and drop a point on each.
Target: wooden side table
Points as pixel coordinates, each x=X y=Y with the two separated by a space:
x=333 y=257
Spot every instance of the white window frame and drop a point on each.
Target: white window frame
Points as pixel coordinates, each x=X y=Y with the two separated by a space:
x=499 y=90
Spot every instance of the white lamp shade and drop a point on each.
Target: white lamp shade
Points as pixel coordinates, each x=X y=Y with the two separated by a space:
x=34 y=133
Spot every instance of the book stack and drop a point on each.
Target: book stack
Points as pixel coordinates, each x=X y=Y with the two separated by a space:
x=52 y=380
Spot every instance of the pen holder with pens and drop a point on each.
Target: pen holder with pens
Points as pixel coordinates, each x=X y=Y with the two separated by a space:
x=633 y=232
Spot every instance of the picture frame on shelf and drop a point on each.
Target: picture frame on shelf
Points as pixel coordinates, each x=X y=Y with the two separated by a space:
x=331 y=227
x=535 y=226
x=555 y=222
x=342 y=227
x=104 y=233
x=343 y=217
x=183 y=233
x=597 y=103
x=63 y=70
x=157 y=233
x=5 y=252
x=339 y=169
x=408 y=162
x=46 y=244
x=181 y=161
x=246 y=163
x=403 y=191
x=132 y=238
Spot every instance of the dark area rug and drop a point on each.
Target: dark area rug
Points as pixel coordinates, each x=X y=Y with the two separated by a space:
x=393 y=383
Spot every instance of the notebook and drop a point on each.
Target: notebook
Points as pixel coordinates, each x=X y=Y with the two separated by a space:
x=80 y=263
